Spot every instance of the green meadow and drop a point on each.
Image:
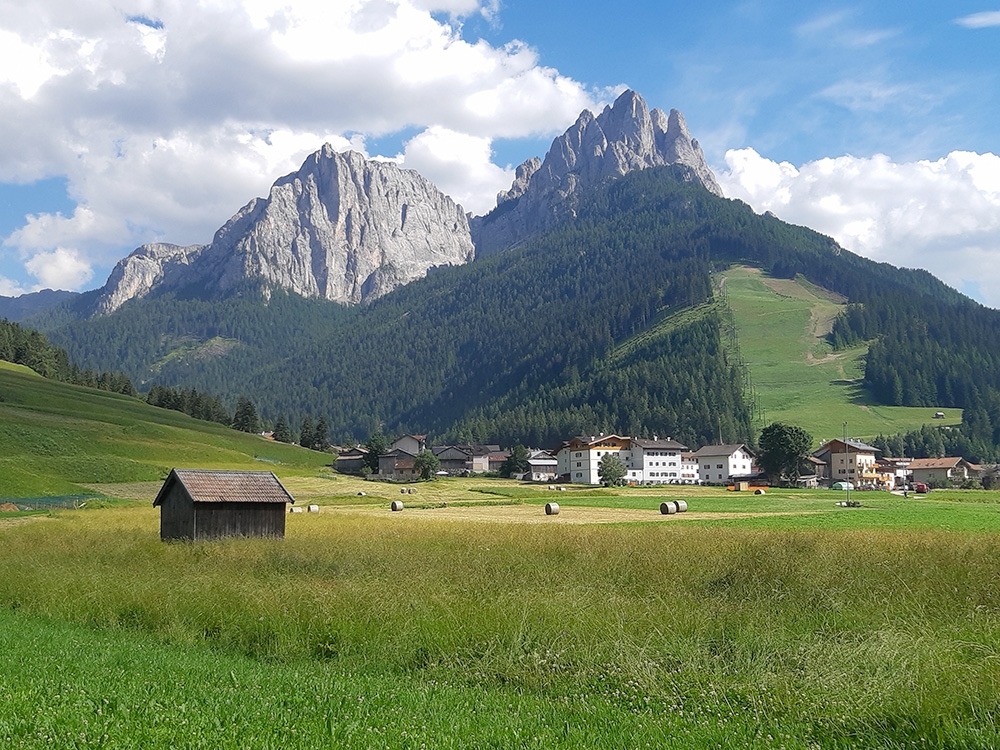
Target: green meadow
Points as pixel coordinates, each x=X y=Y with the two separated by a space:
x=56 y=439
x=752 y=621
x=472 y=619
x=798 y=377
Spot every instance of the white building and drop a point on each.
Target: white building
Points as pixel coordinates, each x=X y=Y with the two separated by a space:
x=655 y=461
x=580 y=458
x=723 y=463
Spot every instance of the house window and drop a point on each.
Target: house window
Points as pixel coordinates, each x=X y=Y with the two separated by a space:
x=718 y=466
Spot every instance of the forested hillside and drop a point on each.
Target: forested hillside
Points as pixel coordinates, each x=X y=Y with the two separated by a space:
x=523 y=346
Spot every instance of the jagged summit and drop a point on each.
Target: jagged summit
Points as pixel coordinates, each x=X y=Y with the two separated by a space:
x=343 y=227
x=625 y=137
x=349 y=229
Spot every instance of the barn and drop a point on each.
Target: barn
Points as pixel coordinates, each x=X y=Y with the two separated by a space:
x=197 y=504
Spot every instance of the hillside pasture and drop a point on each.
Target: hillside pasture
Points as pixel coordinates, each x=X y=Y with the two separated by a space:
x=57 y=438
x=799 y=379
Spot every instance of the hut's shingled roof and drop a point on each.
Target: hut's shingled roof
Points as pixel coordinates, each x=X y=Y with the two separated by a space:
x=205 y=486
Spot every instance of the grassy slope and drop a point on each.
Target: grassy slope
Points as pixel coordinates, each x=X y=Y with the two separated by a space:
x=57 y=438
x=798 y=377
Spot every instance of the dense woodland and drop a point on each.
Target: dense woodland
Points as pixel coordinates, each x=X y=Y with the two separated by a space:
x=932 y=352
x=28 y=347
x=570 y=333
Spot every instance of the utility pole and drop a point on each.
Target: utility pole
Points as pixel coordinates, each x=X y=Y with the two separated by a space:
x=847 y=447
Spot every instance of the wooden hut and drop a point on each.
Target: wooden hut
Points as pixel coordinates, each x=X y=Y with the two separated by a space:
x=199 y=504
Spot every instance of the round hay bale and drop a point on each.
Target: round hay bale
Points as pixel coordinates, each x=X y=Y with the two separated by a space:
x=361 y=494
x=552 y=509
x=410 y=490
x=396 y=505
x=402 y=490
x=758 y=492
x=294 y=510
x=681 y=505
x=668 y=508
x=313 y=508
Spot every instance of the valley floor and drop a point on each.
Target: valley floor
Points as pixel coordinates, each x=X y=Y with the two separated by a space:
x=751 y=621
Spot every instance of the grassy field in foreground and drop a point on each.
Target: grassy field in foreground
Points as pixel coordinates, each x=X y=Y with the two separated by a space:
x=799 y=379
x=56 y=438
x=401 y=630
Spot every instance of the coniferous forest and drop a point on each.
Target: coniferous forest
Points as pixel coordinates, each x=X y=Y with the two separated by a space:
x=573 y=332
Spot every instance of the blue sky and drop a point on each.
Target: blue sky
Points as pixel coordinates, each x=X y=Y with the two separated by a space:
x=155 y=120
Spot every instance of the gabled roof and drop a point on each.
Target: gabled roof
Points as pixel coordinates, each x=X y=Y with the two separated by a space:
x=659 y=444
x=720 y=450
x=936 y=463
x=397 y=453
x=357 y=452
x=855 y=445
x=210 y=486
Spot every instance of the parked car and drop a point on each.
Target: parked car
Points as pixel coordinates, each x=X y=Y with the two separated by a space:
x=921 y=488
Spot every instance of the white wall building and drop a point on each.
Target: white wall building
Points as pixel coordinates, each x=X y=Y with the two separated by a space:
x=580 y=458
x=723 y=463
x=655 y=461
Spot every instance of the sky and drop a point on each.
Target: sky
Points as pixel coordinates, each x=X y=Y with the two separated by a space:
x=137 y=121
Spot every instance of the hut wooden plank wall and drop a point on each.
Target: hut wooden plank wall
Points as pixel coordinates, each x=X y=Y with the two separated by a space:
x=199 y=504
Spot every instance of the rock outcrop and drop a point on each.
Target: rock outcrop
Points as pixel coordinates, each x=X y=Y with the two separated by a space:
x=342 y=227
x=142 y=271
x=626 y=136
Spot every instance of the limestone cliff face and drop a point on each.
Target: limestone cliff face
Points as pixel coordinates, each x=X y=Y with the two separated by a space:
x=342 y=227
x=142 y=271
x=626 y=136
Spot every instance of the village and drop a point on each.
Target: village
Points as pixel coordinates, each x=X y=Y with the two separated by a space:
x=840 y=463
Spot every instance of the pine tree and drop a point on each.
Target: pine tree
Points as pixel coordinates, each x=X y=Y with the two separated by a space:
x=321 y=440
x=306 y=435
x=282 y=432
x=246 y=419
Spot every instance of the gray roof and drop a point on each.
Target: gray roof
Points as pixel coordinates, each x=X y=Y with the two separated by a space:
x=850 y=442
x=659 y=444
x=210 y=486
x=720 y=450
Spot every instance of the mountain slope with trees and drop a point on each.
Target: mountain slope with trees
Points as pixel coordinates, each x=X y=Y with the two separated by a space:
x=524 y=345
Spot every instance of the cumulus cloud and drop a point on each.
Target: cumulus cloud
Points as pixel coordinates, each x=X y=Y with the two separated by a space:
x=460 y=165
x=165 y=117
x=10 y=288
x=60 y=269
x=941 y=215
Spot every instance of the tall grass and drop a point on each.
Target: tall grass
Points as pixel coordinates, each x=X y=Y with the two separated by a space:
x=887 y=635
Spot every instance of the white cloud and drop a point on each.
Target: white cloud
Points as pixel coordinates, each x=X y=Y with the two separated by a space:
x=166 y=116
x=60 y=269
x=460 y=165
x=982 y=20
x=941 y=215
x=10 y=288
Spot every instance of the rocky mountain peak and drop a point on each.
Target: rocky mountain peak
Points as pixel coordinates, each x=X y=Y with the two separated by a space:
x=624 y=137
x=342 y=227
